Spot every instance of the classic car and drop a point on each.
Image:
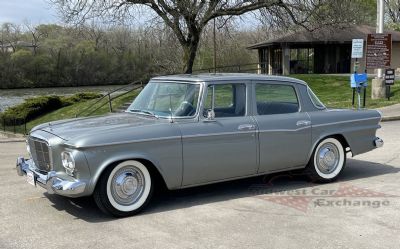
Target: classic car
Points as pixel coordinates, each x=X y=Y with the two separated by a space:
x=189 y=130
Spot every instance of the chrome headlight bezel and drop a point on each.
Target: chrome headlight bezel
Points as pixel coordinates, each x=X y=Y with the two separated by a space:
x=68 y=162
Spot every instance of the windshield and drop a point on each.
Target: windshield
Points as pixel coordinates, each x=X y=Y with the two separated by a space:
x=163 y=99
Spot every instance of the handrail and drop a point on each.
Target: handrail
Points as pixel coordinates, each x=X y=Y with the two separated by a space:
x=109 y=96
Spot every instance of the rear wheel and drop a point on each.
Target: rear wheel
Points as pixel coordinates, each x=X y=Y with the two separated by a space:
x=327 y=161
x=124 y=189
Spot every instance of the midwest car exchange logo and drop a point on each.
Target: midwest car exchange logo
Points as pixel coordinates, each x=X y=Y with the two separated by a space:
x=317 y=196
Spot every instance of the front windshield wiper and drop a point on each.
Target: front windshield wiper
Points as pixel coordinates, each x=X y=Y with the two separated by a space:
x=143 y=112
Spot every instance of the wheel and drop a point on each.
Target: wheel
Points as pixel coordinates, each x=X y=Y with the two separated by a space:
x=327 y=161
x=124 y=189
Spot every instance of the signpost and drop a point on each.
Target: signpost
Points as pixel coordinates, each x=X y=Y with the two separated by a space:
x=379 y=51
x=358 y=81
x=389 y=80
x=357 y=48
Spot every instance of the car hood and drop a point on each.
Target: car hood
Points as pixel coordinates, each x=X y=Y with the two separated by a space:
x=96 y=126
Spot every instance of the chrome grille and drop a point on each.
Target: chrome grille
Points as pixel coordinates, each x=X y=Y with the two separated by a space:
x=40 y=153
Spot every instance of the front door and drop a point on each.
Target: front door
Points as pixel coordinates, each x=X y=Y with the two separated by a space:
x=225 y=147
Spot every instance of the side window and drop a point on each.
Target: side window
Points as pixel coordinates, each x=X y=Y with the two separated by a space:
x=276 y=99
x=229 y=100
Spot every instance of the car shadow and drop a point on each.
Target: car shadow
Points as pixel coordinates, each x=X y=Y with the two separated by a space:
x=165 y=200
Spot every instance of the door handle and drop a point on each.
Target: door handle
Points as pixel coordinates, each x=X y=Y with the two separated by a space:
x=303 y=123
x=245 y=127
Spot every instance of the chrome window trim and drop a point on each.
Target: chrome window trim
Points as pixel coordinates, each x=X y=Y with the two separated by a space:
x=207 y=84
x=312 y=101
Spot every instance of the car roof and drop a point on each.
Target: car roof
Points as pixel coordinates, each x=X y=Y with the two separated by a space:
x=206 y=77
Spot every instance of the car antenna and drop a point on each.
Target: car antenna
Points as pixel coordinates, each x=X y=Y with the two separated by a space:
x=171 y=119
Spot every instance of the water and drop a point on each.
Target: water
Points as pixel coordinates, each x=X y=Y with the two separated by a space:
x=11 y=97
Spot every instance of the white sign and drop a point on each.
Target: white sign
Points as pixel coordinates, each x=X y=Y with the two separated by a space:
x=357 y=48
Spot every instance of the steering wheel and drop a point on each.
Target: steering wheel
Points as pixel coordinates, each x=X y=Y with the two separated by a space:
x=185 y=109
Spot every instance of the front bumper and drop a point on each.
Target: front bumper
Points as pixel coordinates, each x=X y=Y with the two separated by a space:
x=54 y=183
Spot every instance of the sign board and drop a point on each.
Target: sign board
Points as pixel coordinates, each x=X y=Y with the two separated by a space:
x=379 y=51
x=389 y=77
x=358 y=80
x=357 y=48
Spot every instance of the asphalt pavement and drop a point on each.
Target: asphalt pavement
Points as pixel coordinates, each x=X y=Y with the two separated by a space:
x=361 y=210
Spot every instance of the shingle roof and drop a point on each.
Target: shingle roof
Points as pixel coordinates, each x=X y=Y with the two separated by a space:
x=326 y=35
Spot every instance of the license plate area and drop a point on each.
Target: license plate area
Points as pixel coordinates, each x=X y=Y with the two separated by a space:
x=31 y=178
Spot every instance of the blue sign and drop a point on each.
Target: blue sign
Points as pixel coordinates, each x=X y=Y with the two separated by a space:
x=358 y=80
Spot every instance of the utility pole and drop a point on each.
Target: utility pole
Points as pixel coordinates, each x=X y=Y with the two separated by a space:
x=215 y=49
x=379 y=26
x=378 y=84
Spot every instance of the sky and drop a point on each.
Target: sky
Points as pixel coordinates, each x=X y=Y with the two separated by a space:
x=32 y=11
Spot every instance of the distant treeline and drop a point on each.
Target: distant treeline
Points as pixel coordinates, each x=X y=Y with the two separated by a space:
x=52 y=55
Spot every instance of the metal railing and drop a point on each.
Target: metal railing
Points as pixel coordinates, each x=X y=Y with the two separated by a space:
x=14 y=125
x=110 y=96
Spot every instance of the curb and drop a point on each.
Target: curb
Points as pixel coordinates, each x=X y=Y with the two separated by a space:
x=390 y=118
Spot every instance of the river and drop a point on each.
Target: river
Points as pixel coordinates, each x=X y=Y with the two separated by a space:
x=11 y=97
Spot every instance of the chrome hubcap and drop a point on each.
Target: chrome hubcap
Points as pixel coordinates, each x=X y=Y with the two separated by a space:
x=127 y=185
x=328 y=158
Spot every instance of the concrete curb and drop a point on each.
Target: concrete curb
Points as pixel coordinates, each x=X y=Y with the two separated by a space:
x=8 y=137
x=390 y=118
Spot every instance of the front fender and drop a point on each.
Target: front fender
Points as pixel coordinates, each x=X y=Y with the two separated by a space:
x=165 y=155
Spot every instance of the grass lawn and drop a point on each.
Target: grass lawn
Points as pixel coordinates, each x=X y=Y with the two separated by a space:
x=335 y=91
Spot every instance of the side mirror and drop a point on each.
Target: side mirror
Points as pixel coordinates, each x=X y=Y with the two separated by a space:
x=210 y=115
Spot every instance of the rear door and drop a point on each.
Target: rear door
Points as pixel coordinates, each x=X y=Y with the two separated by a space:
x=284 y=130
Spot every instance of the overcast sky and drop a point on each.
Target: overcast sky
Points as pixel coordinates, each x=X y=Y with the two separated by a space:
x=33 y=11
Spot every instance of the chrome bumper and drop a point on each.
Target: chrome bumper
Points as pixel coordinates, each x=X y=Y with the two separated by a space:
x=378 y=142
x=52 y=182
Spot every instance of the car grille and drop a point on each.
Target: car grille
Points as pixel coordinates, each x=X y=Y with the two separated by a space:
x=40 y=153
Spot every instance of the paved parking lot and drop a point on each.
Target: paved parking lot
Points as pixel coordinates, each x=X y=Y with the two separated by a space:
x=362 y=210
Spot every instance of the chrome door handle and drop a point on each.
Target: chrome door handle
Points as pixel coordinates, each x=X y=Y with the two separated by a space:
x=303 y=123
x=244 y=127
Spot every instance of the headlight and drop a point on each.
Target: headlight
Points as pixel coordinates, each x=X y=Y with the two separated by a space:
x=68 y=162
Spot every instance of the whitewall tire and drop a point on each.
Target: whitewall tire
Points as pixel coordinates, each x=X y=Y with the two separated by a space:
x=327 y=161
x=124 y=189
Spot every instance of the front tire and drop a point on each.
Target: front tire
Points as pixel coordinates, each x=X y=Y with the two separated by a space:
x=327 y=161
x=124 y=189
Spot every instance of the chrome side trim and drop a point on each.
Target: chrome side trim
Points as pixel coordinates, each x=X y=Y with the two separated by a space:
x=220 y=134
x=285 y=130
x=118 y=143
x=346 y=121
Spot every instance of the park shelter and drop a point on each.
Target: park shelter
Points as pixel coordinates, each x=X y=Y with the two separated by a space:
x=324 y=51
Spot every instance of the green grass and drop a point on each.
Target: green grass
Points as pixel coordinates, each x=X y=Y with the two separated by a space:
x=335 y=91
x=72 y=110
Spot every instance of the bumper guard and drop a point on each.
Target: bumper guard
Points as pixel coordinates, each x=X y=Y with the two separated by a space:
x=53 y=183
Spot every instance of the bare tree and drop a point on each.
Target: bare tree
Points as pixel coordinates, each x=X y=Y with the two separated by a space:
x=393 y=10
x=186 y=18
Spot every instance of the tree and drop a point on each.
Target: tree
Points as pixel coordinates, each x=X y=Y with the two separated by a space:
x=187 y=18
x=393 y=13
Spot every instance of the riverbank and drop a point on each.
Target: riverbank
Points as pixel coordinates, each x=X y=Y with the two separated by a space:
x=12 y=97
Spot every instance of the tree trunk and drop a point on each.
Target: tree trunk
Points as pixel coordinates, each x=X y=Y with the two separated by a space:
x=189 y=55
